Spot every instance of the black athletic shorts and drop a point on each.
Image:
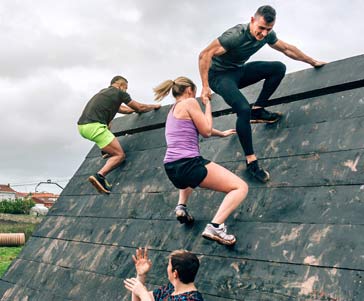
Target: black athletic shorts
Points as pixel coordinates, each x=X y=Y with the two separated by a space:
x=187 y=172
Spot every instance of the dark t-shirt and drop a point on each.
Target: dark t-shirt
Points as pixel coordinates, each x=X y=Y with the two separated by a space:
x=239 y=45
x=104 y=106
x=164 y=293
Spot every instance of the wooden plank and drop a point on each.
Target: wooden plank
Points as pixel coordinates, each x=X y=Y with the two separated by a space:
x=333 y=168
x=307 y=83
x=249 y=280
x=294 y=86
x=270 y=142
x=19 y=293
x=316 y=138
x=332 y=108
x=4 y=286
x=322 y=205
x=132 y=122
x=338 y=106
x=101 y=259
x=256 y=280
x=65 y=282
x=317 y=244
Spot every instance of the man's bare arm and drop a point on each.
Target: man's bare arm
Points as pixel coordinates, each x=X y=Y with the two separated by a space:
x=125 y=110
x=204 y=62
x=294 y=53
x=141 y=107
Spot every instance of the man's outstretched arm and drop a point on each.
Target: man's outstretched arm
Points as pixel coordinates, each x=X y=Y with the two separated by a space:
x=125 y=110
x=294 y=53
x=141 y=107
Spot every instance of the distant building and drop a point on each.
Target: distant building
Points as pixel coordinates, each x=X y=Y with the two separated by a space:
x=45 y=198
x=7 y=193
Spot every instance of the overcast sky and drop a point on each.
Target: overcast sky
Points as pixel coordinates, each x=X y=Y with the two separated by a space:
x=55 y=55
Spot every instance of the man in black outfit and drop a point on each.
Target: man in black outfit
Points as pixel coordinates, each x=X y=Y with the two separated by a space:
x=223 y=67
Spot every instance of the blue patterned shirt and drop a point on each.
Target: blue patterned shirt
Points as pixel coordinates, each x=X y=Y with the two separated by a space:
x=164 y=293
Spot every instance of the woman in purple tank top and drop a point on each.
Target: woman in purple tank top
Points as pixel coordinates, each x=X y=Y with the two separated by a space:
x=184 y=165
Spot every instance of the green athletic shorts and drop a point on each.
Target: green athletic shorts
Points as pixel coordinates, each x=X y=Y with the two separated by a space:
x=96 y=132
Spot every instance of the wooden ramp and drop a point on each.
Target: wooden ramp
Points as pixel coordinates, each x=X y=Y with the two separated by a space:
x=300 y=237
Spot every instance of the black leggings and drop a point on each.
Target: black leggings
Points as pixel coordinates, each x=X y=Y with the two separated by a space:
x=228 y=83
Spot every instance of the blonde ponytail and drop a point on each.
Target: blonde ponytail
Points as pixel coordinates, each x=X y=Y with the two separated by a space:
x=162 y=90
x=178 y=86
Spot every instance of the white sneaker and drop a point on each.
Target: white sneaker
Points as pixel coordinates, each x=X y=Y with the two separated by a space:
x=219 y=235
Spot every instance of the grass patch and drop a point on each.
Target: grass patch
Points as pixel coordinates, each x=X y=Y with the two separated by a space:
x=11 y=223
x=15 y=223
x=7 y=255
x=27 y=229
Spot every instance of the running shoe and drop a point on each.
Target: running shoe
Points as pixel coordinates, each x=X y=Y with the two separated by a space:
x=219 y=235
x=255 y=171
x=100 y=183
x=262 y=115
x=183 y=216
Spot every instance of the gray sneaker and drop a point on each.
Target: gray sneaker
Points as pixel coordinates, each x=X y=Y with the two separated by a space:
x=219 y=235
x=183 y=216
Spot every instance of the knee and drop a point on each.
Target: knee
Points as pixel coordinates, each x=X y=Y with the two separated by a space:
x=244 y=189
x=279 y=68
x=120 y=156
x=242 y=110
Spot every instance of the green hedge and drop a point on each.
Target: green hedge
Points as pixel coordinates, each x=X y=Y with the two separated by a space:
x=17 y=206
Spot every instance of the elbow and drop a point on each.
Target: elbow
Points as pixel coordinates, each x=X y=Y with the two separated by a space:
x=206 y=134
x=202 y=55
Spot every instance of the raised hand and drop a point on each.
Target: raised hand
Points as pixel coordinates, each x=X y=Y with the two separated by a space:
x=318 y=64
x=137 y=288
x=228 y=132
x=142 y=263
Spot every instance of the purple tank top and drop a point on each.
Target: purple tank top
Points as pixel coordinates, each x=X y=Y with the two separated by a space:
x=182 y=139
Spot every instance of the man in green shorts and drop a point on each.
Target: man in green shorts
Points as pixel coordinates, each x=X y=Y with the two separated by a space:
x=94 y=125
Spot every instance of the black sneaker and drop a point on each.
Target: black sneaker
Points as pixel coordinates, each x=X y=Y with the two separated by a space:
x=100 y=183
x=259 y=173
x=183 y=216
x=261 y=115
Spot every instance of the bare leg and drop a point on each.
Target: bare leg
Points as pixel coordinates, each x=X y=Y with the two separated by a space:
x=181 y=210
x=220 y=179
x=117 y=156
x=184 y=195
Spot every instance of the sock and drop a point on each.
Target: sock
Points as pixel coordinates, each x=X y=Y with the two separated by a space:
x=251 y=162
x=215 y=225
x=184 y=205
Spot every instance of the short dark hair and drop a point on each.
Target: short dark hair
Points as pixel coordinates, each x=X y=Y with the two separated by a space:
x=267 y=12
x=186 y=264
x=117 y=78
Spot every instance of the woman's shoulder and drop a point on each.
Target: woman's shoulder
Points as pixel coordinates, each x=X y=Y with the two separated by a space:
x=183 y=108
x=187 y=101
x=194 y=100
x=191 y=103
